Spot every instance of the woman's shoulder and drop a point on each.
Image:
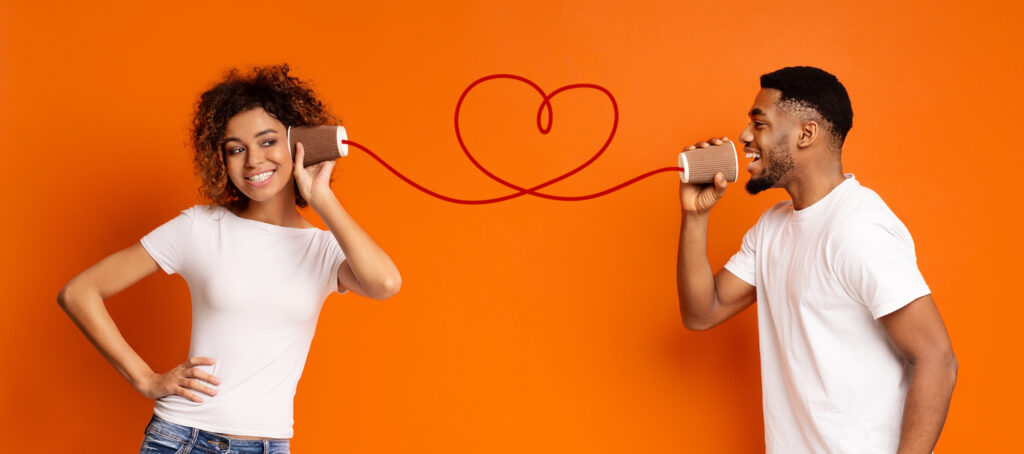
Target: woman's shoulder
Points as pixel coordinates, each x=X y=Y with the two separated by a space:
x=199 y=214
x=205 y=212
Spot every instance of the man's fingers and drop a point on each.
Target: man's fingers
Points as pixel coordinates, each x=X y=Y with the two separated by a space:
x=720 y=182
x=707 y=143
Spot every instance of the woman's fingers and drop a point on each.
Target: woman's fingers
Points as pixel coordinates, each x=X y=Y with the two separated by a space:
x=204 y=376
x=316 y=168
x=191 y=376
x=188 y=395
x=199 y=361
x=323 y=165
x=182 y=380
x=300 y=154
x=329 y=166
x=191 y=383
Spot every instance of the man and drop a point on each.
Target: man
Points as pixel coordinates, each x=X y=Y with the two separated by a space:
x=854 y=355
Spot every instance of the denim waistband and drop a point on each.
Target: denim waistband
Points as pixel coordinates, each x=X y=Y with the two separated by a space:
x=211 y=441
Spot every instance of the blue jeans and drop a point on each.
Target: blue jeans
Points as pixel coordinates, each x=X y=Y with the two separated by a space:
x=164 y=437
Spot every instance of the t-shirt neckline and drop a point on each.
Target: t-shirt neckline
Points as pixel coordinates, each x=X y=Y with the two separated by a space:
x=824 y=202
x=266 y=225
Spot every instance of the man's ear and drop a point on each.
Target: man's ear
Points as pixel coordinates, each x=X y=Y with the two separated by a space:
x=808 y=134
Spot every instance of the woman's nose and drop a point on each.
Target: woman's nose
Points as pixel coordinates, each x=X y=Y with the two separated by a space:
x=254 y=157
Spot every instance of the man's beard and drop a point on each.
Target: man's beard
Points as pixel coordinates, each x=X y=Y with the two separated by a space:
x=781 y=163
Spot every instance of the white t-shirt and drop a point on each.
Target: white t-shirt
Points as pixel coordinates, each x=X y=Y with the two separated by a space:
x=256 y=290
x=831 y=380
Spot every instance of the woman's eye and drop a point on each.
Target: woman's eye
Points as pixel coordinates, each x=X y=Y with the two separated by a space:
x=236 y=150
x=269 y=142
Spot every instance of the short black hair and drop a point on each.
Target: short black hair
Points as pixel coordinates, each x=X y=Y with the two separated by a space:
x=817 y=89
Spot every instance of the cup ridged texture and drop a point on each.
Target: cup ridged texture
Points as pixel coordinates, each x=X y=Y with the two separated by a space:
x=319 y=142
x=704 y=163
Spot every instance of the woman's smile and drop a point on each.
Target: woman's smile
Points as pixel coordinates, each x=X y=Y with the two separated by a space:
x=260 y=179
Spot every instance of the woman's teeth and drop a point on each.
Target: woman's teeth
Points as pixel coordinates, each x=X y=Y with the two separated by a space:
x=261 y=177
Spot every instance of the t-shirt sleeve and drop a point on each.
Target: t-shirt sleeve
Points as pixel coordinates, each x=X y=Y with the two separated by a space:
x=334 y=258
x=742 y=263
x=877 y=265
x=168 y=244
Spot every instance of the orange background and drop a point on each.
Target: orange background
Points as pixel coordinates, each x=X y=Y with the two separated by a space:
x=532 y=325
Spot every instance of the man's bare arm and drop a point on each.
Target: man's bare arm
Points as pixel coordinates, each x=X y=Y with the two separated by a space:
x=705 y=299
x=918 y=333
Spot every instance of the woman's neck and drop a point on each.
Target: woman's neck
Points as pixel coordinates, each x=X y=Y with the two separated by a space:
x=280 y=210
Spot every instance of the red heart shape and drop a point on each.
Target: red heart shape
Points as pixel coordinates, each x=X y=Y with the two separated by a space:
x=542 y=126
x=544 y=129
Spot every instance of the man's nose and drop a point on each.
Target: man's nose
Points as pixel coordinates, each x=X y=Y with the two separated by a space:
x=746 y=136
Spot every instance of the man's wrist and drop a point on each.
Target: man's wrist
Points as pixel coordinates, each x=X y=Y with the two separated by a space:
x=696 y=216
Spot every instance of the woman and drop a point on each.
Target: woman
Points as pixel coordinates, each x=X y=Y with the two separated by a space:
x=258 y=273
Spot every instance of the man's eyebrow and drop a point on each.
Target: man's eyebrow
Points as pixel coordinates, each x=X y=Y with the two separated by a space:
x=756 y=111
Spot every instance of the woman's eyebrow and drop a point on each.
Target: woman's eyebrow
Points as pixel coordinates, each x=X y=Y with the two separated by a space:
x=229 y=139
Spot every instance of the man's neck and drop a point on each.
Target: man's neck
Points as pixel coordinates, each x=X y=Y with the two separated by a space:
x=813 y=184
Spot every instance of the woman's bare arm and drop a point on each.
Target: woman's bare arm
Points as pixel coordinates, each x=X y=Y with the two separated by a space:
x=82 y=299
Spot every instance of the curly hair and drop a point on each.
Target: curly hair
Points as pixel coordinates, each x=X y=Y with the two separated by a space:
x=284 y=97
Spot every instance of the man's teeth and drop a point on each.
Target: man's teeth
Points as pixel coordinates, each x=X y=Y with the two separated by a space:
x=753 y=155
x=259 y=178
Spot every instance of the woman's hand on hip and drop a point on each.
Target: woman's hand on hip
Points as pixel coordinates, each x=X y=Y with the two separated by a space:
x=182 y=380
x=313 y=181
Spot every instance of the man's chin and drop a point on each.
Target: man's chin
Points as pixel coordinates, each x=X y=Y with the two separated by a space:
x=756 y=185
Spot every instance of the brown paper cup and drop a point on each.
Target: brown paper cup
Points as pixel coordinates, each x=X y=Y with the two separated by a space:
x=701 y=165
x=321 y=143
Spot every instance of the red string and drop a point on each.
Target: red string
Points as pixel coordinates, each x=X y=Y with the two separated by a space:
x=544 y=128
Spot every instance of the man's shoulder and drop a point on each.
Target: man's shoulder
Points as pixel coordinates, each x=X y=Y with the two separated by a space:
x=861 y=207
x=777 y=212
x=864 y=218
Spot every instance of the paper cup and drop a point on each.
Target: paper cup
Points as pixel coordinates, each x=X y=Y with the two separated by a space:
x=701 y=165
x=320 y=143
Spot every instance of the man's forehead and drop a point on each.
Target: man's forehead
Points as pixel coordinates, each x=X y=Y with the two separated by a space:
x=764 y=102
